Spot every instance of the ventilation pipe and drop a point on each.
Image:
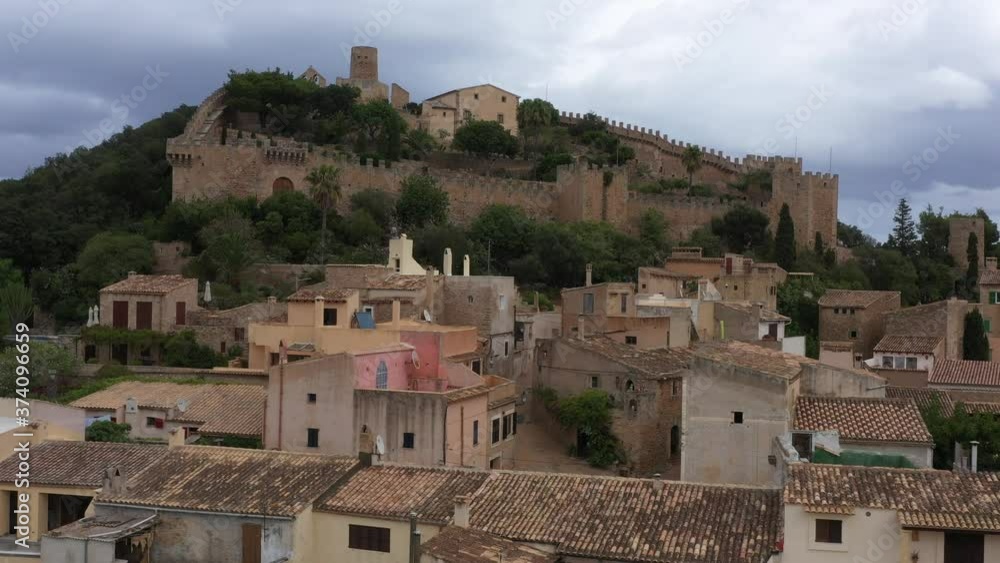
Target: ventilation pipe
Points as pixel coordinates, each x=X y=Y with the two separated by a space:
x=447 y=261
x=466 y=266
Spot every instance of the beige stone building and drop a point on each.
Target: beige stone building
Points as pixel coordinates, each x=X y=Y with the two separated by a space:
x=484 y=102
x=856 y=316
x=905 y=361
x=989 y=305
x=736 y=277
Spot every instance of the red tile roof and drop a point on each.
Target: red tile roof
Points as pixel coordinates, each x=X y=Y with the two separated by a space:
x=82 y=464
x=924 y=498
x=395 y=491
x=619 y=519
x=324 y=290
x=909 y=344
x=465 y=545
x=990 y=277
x=859 y=299
x=139 y=284
x=965 y=372
x=863 y=419
x=924 y=397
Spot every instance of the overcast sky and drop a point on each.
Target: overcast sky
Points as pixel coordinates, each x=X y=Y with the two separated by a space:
x=900 y=90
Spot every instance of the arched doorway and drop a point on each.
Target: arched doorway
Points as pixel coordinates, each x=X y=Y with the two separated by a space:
x=282 y=185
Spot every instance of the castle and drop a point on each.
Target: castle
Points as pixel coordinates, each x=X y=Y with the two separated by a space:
x=219 y=155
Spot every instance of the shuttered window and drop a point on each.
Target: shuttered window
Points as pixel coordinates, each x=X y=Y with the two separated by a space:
x=144 y=315
x=119 y=314
x=368 y=538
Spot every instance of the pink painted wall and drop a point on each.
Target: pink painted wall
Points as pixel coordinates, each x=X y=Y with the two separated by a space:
x=397 y=362
x=428 y=348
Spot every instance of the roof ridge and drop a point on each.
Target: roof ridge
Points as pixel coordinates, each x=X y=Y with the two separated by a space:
x=666 y=482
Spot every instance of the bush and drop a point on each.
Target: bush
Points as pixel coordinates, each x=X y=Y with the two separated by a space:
x=113 y=370
x=182 y=350
x=107 y=431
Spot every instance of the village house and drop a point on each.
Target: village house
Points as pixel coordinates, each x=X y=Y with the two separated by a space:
x=64 y=477
x=228 y=505
x=447 y=112
x=837 y=513
x=225 y=331
x=142 y=302
x=750 y=322
x=905 y=361
x=612 y=310
x=940 y=319
x=736 y=277
x=485 y=302
x=645 y=387
x=989 y=304
x=967 y=380
x=856 y=316
x=882 y=426
x=421 y=408
x=739 y=399
x=153 y=410
x=464 y=545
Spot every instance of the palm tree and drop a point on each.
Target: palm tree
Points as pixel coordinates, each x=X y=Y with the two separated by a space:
x=691 y=159
x=324 y=189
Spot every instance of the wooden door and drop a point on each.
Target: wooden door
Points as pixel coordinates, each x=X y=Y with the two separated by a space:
x=251 y=543
x=964 y=548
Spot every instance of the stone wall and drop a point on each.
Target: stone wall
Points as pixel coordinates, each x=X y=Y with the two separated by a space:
x=170 y=257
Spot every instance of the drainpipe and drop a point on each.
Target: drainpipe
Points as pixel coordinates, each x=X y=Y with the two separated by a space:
x=414 y=539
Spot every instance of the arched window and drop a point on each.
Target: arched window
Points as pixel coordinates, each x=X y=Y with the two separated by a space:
x=282 y=185
x=629 y=385
x=382 y=376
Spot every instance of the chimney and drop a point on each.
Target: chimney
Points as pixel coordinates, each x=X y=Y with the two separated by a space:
x=414 y=539
x=756 y=312
x=132 y=273
x=580 y=330
x=429 y=299
x=395 y=314
x=320 y=305
x=175 y=438
x=366 y=447
x=590 y=272
x=974 y=465
x=447 y=262
x=657 y=482
x=466 y=267
x=462 y=511
x=113 y=482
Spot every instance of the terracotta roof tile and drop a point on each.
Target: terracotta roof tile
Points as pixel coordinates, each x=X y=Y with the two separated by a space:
x=236 y=410
x=855 y=298
x=658 y=363
x=394 y=491
x=237 y=481
x=863 y=419
x=925 y=498
x=622 y=519
x=909 y=344
x=746 y=307
x=325 y=290
x=924 y=397
x=990 y=277
x=466 y=545
x=397 y=281
x=82 y=464
x=757 y=358
x=149 y=285
x=965 y=372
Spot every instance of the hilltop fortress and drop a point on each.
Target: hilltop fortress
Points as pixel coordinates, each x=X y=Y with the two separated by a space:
x=219 y=155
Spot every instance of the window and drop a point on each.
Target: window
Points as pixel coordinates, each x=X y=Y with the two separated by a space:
x=468 y=114
x=887 y=362
x=829 y=531
x=368 y=538
x=180 y=313
x=312 y=437
x=408 y=440
x=382 y=376
x=500 y=118
x=506 y=427
x=144 y=315
x=854 y=335
x=119 y=314
x=911 y=363
x=222 y=347
x=503 y=99
x=675 y=387
x=475 y=432
x=239 y=334
x=995 y=298
x=477 y=366
x=150 y=421
x=471 y=299
x=329 y=317
x=502 y=303
x=899 y=362
x=853 y=311
x=631 y=340
x=624 y=300
x=495 y=430
x=737 y=417
x=506 y=349
x=629 y=385
x=476 y=96
x=588 y=303
x=397 y=264
x=311 y=398
x=595 y=382
x=370 y=309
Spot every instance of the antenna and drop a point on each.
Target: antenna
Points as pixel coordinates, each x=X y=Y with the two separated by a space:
x=796 y=146
x=830 y=168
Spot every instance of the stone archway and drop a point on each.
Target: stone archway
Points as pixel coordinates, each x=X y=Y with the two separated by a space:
x=282 y=184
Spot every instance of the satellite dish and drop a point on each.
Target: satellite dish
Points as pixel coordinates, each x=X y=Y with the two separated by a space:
x=379 y=445
x=415 y=358
x=182 y=405
x=427 y=315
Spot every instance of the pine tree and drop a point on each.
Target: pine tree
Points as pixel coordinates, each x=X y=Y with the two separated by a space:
x=784 y=240
x=972 y=274
x=904 y=233
x=975 y=344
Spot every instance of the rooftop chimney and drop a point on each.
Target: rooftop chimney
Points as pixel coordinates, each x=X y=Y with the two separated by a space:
x=414 y=539
x=114 y=481
x=395 y=314
x=447 y=262
x=318 y=311
x=590 y=271
x=429 y=300
x=462 y=511
x=175 y=438
x=974 y=465
x=657 y=482
x=132 y=273
x=466 y=267
x=366 y=447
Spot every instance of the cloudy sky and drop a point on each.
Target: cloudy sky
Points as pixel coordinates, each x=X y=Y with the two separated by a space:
x=901 y=91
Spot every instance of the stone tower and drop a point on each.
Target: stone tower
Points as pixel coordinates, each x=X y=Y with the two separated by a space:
x=958 y=240
x=364 y=63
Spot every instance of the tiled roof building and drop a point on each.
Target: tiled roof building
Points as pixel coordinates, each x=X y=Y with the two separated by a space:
x=909 y=344
x=863 y=419
x=464 y=545
x=81 y=464
x=139 y=284
x=924 y=397
x=852 y=298
x=965 y=373
x=656 y=363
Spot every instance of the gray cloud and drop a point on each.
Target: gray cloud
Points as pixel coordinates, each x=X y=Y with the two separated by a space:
x=893 y=72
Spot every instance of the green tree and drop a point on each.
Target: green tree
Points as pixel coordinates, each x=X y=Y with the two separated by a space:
x=421 y=202
x=934 y=234
x=889 y=270
x=107 y=431
x=904 y=231
x=972 y=273
x=506 y=231
x=361 y=229
x=9 y=273
x=784 y=240
x=742 y=228
x=709 y=242
x=377 y=203
x=485 y=139
x=231 y=246
x=183 y=350
x=50 y=364
x=380 y=125
x=16 y=307
x=975 y=343
x=324 y=189
x=691 y=158
x=653 y=229
x=590 y=414
x=853 y=237
x=109 y=257
x=991 y=246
